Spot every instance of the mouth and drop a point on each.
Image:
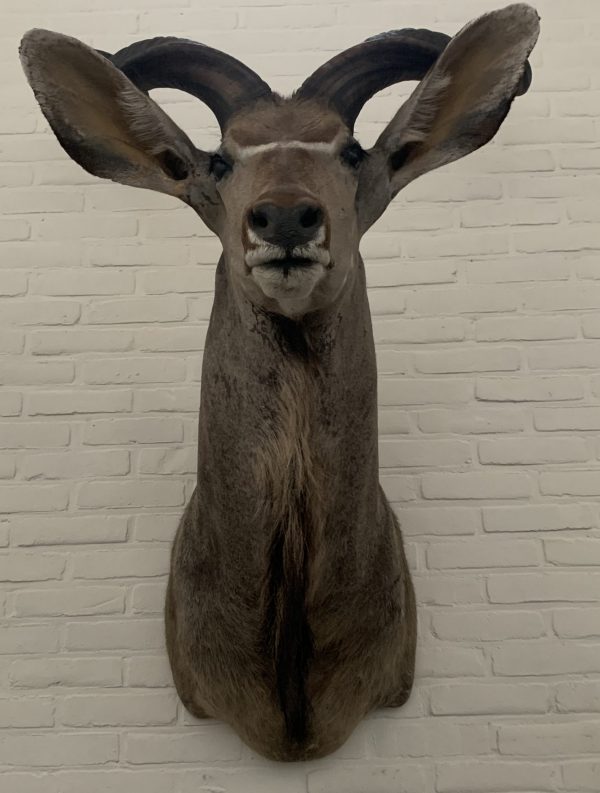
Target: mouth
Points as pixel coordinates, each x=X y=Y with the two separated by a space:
x=289 y=264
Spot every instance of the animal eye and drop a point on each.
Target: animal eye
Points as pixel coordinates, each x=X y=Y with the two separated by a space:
x=219 y=166
x=353 y=155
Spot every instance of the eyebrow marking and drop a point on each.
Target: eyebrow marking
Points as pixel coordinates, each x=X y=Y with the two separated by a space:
x=244 y=152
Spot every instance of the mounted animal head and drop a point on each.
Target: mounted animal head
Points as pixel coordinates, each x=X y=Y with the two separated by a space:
x=290 y=190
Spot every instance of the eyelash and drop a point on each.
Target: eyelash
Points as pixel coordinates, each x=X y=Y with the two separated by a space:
x=219 y=166
x=353 y=155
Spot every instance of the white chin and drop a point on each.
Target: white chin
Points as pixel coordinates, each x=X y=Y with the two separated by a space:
x=291 y=291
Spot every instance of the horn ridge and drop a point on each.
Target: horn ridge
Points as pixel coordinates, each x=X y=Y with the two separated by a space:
x=221 y=81
x=348 y=80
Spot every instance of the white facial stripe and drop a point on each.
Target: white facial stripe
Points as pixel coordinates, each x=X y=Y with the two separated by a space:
x=244 y=152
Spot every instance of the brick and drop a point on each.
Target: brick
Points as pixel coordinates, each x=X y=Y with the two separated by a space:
x=29 y=639
x=84 y=226
x=40 y=312
x=440 y=590
x=450 y=662
x=48 y=342
x=33 y=498
x=392 y=422
x=176 y=400
x=546 y=657
x=388 y=361
x=69 y=602
x=538 y=517
x=570 y=483
x=137 y=309
x=475 y=300
x=390 y=300
x=416 y=738
x=406 y=391
x=577 y=623
x=516 y=213
x=125 y=709
x=578 y=355
x=375 y=778
x=151 y=671
x=171 y=339
x=26 y=712
x=31 y=567
x=214 y=743
x=399 y=453
x=68 y=672
x=471 y=421
x=532 y=451
x=475 y=485
x=10 y=403
x=540 y=131
x=67 y=531
x=573 y=552
x=155 y=528
x=590 y=327
x=529 y=389
x=168 y=461
x=82 y=281
x=519 y=269
x=475 y=699
x=103 y=400
x=495 y=776
x=57 y=750
x=418 y=331
x=12 y=282
x=75 y=465
x=120 y=635
x=571 y=418
x=483 y=553
x=543 y=587
x=399 y=488
x=578 y=696
x=121 y=563
x=476 y=626
x=125 y=371
x=145 y=493
x=124 y=430
x=31 y=435
x=25 y=372
x=525 y=328
x=184 y=279
x=148 y=598
x=389 y=273
x=471 y=359
x=549 y=739
x=439 y=520
x=581 y=776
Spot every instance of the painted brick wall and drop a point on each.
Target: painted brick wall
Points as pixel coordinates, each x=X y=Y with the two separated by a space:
x=485 y=288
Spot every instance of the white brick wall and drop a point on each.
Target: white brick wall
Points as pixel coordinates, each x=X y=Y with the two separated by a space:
x=484 y=289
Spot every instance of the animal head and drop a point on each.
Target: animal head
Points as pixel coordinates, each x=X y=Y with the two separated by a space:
x=290 y=190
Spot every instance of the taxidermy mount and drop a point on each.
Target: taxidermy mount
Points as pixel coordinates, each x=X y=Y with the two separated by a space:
x=290 y=610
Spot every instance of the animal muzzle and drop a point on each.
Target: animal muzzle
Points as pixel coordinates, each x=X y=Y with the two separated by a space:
x=286 y=225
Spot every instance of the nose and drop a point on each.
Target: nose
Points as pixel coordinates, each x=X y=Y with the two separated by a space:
x=287 y=226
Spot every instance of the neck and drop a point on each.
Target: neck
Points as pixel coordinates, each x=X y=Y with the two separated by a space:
x=283 y=399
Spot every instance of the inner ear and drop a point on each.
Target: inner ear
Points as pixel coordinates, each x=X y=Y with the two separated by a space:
x=403 y=155
x=173 y=165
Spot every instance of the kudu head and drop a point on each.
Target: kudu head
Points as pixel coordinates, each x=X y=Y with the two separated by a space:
x=290 y=190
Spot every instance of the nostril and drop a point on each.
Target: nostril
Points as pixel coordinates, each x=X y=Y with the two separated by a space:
x=311 y=217
x=258 y=219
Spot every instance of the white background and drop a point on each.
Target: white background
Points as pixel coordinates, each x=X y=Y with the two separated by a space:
x=485 y=292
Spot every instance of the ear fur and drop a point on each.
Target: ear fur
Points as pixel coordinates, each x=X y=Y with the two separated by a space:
x=457 y=107
x=106 y=124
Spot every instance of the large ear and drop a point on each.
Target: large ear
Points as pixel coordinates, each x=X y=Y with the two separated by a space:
x=106 y=124
x=456 y=108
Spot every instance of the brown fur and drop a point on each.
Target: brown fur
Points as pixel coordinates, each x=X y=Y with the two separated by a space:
x=290 y=611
